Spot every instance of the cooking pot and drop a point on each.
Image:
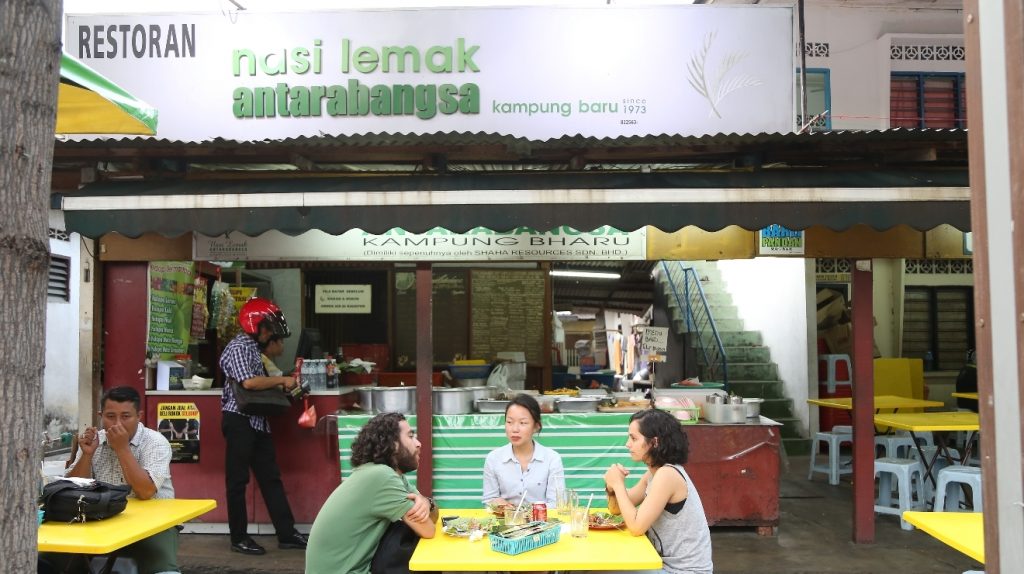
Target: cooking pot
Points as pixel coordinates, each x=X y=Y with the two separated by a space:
x=482 y=392
x=715 y=399
x=753 y=407
x=394 y=400
x=452 y=401
x=365 y=399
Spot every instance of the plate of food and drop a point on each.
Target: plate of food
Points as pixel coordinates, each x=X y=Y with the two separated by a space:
x=463 y=527
x=605 y=521
x=498 y=509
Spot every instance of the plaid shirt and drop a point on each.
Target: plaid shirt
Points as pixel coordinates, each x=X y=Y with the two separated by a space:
x=148 y=447
x=242 y=360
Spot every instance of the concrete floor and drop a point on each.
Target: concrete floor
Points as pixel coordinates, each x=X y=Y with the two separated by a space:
x=813 y=537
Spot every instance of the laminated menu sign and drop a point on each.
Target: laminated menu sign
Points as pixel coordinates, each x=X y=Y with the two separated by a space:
x=170 y=306
x=179 y=423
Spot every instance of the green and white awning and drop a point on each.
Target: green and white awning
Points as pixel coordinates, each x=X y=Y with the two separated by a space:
x=88 y=103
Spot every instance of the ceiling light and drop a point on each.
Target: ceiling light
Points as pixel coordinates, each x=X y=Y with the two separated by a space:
x=563 y=313
x=584 y=274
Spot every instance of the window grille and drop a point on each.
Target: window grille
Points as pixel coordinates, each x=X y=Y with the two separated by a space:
x=927 y=100
x=59 y=286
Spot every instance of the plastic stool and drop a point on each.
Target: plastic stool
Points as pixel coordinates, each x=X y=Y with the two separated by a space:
x=833 y=369
x=894 y=445
x=903 y=470
x=940 y=463
x=948 y=494
x=834 y=468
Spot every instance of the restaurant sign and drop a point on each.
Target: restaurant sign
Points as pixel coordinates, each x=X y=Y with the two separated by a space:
x=250 y=76
x=479 y=244
x=777 y=240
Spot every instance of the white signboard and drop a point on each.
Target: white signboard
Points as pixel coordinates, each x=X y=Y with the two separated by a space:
x=655 y=340
x=342 y=299
x=536 y=72
x=777 y=240
x=481 y=244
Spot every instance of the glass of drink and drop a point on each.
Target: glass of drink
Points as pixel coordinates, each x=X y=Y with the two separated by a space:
x=579 y=521
x=513 y=518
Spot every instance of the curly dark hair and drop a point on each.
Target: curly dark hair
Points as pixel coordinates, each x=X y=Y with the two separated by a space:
x=672 y=445
x=377 y=441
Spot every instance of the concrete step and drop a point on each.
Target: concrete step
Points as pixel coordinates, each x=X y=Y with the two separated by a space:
x=738 y=339
x=792 y=427
x=773 y=408
x=714 y=297
x=749 y=371
x=796 y=446
x=757 y=389
x=679 y=323
x=748 y=354
x=718 y=311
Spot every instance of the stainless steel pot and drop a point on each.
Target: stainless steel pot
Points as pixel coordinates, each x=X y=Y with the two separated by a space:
x=482 y=392
x=452 y=401
x=394 y=400
x=753 y=407
x=365 y=397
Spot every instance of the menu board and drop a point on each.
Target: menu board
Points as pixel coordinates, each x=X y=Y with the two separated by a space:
x=450 y=317
x=507 y=310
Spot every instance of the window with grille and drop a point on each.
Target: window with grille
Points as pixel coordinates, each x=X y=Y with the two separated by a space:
x=59 y=286
x=940 y=320
x=927 y=100
x=819 y=99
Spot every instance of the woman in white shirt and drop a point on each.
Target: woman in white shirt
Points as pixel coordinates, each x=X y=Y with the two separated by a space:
x=523 y=465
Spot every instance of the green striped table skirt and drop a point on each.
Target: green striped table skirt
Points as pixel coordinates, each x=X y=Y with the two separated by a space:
x=587 y=442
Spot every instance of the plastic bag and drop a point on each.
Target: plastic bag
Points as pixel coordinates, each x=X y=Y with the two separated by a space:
x=307 y=419
x=498 y=377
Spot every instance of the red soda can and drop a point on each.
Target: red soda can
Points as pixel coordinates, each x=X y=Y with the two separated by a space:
x=540 y=511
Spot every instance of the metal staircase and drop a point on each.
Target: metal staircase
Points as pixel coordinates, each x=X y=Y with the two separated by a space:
x=725 y=351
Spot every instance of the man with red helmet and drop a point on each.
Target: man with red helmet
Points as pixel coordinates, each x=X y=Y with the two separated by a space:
x=247 y=437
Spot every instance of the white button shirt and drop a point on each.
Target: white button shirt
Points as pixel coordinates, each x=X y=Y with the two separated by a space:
x=504 y=477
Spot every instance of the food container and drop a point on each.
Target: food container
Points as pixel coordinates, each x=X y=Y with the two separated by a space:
x=697 y=395
x=197 y=383
x=394 y=400
x=491 y=405
x=481 y=393
x=469 y=375
x=452 y=401
x=753 y=407
x=725 y=413
x=577 y=405
x=600 y=393
x=468 y=382
x=365 y=399
x=547 y=403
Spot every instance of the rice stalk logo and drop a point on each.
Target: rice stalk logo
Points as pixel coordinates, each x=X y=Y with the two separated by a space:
x=714 y=84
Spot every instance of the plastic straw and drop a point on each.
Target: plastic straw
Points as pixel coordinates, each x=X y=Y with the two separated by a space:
x=588 y=503
x=520 y=505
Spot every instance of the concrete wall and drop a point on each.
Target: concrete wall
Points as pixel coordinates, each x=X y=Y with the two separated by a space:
x=61 y=373
x=771 y=295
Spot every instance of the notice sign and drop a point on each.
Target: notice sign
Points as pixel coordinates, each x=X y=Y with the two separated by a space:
x=777 y=240
x=179 y=423
x=655 y=343
x=343 y=299
x=170 y=306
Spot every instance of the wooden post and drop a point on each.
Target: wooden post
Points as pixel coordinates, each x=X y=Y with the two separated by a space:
x=424 y=374
x=863 y=405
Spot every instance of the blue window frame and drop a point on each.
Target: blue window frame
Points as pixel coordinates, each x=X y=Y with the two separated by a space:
x=927 y=100
x=819 y=99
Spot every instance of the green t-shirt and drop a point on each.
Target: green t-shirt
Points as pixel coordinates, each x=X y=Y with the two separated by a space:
x=352 y=521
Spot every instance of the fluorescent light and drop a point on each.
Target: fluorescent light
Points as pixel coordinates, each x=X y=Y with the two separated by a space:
x=563 y=313
x=584 y=274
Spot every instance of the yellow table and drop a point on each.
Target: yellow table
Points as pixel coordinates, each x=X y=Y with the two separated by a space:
x=964 y=531
x=881 y=402
x=937 y=422
x=600 y=550
x=140 y=519
x=972 y=396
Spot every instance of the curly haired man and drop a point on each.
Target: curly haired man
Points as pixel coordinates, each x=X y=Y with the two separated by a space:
x=352 y=521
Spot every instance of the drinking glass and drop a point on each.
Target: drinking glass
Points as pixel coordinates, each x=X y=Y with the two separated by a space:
x=579 y=521
x=513 y=518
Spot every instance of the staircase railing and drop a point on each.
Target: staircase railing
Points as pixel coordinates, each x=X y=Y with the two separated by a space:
x=699 y=321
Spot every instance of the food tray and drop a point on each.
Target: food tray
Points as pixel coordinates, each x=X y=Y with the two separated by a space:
x=525 y=544
x=580 y=405
x=491 y=405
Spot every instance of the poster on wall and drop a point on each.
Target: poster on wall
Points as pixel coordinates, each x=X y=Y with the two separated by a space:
x=179 y=423
x=777 y=240
x=343 y=299
x=170 y=307
x=597 y=71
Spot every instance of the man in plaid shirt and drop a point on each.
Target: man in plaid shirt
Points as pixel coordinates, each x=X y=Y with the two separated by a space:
x=247 y=437
x=126 y=452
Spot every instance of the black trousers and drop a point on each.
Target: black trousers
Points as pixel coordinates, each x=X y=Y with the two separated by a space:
x=247 y=449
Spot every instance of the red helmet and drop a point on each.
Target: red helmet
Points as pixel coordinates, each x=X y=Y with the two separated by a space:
x=257 y=310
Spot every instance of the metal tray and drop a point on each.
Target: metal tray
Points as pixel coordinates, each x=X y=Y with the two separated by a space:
x=577 y=405
x=491 y=405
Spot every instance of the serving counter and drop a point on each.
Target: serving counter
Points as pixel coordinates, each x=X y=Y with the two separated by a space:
x=735 y=467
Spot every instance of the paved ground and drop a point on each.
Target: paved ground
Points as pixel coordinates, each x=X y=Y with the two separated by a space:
x=814 y=537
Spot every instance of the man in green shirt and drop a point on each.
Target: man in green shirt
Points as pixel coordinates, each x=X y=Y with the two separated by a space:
x=352 y=521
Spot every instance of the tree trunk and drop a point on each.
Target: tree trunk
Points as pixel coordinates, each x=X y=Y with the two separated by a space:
x=29 y=74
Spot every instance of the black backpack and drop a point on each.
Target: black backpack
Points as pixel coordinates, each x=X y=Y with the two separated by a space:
x=64 y=501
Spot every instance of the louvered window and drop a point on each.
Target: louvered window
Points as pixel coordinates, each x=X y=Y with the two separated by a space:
x=940 y=320
x=59 y=286
x=927 y=100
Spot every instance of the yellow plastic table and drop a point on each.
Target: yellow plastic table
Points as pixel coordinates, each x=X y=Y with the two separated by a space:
x=600 y=550
x=140 y=519
x=940 y=423
x=964 y=531
x=881 y=402
x=972 y=396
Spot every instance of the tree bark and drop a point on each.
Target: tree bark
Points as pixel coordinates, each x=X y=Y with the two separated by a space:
x=29 y=74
